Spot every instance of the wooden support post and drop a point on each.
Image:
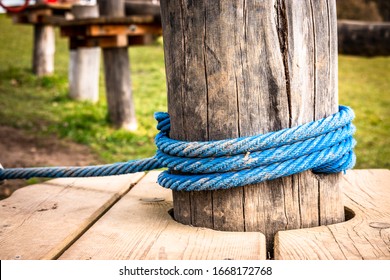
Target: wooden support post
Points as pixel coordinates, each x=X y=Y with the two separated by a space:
x=43 y=49
x=239 y=68
x=84 y=65
x=117 y=74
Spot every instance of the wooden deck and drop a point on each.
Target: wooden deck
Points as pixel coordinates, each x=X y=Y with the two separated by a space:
x=365 y=236
x=127 y=217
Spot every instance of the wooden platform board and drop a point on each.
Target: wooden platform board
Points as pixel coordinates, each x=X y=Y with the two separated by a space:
x=127 y=217
x=109 y=32
x=41 y=221
x=105 y=32
x=64 y=219
x=41 y=14
x=365 y=236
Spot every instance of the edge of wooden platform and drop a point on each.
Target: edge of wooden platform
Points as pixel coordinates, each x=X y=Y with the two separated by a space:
x=365 y=236
x=139 y=227
x=40 y=221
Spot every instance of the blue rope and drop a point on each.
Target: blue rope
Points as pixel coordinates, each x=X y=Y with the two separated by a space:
x=324 y=146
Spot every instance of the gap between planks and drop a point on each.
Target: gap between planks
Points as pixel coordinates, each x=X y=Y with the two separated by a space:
x=43 y=220
x=365 y=236
x=139 y=227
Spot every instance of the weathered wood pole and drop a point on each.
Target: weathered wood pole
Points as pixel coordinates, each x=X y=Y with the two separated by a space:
x=239 y=68
x=43 y=49
x=117 y=74
x=84 y=63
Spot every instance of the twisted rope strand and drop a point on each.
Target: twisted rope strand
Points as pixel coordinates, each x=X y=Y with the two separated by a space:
x=253 y=143
x=252 y=176
x=325 y=146
x=257 y=158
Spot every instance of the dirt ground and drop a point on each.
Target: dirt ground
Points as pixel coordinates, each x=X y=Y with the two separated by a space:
x=19 y=149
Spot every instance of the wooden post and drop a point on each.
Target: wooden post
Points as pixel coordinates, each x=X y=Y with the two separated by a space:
x=43 y=49
x=117 y=74
x=239 y=68
x=84 y=65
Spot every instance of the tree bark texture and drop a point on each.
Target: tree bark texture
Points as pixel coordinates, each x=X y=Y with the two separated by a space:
x=240 y=68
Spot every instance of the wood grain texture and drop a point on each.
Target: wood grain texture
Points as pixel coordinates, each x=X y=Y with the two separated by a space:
x=365 y=236
x=84 y=63
x=41 y=221
x=139 y=227
x=132 y=30
x=121 y=109
x=239 y=68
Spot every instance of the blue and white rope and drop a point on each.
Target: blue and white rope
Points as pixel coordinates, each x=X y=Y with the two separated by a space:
x=325 y=146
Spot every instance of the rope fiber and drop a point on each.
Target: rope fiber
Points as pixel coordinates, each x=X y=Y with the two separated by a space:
x=324 y=146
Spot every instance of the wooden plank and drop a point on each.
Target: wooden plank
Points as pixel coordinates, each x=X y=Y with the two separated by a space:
x=41 y=221
x=100 y=30
x=40 y=13
x=112 y=41
x=365 y=236
x=114 y=20
x=131 y=30
x=139 y=227
x=106 y=30
x=55 y=20
x=31 y=16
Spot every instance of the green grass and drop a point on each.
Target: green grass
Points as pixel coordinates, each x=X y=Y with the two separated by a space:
x=364 y=84
x=40 y=105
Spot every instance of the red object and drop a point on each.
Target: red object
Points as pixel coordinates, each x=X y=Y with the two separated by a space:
x=14 y=9
x=51 y=1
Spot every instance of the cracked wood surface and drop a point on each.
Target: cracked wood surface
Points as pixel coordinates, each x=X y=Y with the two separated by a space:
x=41 y=221
x=239 y=68
x=139 y=227
x=365 y=236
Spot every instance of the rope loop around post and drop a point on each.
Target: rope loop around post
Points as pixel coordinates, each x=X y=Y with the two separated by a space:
x=324 y=146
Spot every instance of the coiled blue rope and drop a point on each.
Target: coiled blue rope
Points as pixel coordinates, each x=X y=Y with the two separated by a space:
x=325 y=146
